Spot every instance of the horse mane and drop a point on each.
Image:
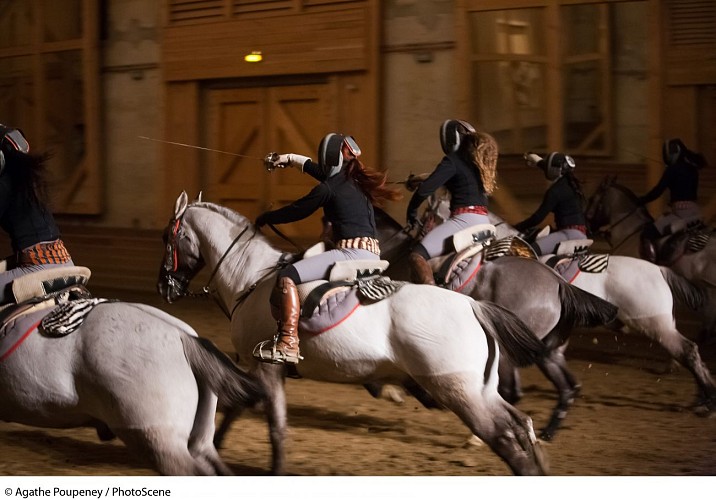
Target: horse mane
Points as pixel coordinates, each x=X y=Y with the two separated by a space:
x=226 y=212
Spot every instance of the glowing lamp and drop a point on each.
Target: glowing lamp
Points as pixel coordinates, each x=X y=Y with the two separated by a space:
x=254 y=56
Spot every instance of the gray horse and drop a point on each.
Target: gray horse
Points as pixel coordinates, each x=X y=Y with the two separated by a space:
x=614 y=213
x=130 y=371
x=534 y=293
x=447 y=343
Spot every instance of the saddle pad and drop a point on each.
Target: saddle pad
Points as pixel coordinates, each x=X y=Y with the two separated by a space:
x=464 y=272
x=594 y=263
x=17 y=330
x=498 y=248
x=378 y=288
x=67 y=317
x=330 y=311
x=509 y=245
x=697 y=241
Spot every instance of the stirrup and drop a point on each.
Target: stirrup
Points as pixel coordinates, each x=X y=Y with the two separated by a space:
x=266 y=352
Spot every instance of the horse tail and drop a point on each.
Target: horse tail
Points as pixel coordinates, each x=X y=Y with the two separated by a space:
x=583 y=309
x=686 y=292
x=517 y=342
x=233 y=386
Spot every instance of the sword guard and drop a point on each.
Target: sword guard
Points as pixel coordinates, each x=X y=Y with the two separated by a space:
x=269 y=161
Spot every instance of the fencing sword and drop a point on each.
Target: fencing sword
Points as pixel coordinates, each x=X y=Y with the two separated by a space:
x=267 y=160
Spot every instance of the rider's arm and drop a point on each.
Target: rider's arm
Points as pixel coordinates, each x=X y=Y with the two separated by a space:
x=549 y=202
x=299 y=209
x=660 y=187
x=442 y=173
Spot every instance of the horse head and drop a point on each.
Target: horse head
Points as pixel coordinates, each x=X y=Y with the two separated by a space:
x=182 y=257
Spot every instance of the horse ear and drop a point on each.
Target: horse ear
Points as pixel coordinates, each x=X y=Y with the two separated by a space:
x=198 y=198
x=181 y=204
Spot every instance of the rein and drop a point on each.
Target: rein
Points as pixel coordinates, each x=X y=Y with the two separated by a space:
x=610 y=227
x=286 y=238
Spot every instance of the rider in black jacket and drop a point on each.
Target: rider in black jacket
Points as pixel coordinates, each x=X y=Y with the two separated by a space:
x=681 y=178
x=468 y=172
x=347 y=192
x=564 y=198
x=24 y=214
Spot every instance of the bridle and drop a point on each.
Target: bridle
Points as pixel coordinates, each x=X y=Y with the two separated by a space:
x=179 y=283
x=606 y=230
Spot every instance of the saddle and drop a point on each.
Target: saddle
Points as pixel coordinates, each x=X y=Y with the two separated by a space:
x=325 y=303
x=44 y=289
x=466 y=243
x=686 y=241
x=572 y=256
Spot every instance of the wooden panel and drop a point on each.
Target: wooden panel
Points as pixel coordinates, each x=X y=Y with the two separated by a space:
x=690 y=42
x=691 y=22
x=318 y=42
x=236 y=124
x=195 y=10
x=244 y=6
x=180 y=166
x=250 y=123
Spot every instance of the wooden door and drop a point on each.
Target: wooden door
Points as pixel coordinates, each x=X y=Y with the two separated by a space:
x=252 y=122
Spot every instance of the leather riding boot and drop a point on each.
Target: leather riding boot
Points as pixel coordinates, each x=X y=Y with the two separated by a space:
x=421 y=272
x=285 y=348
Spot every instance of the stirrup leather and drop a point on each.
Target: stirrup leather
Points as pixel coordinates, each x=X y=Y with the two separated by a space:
x=266 y=351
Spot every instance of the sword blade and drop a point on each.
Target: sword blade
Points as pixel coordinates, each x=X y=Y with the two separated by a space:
x=199 y=147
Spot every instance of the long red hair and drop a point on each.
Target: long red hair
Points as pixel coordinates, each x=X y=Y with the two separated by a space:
x=371 y=182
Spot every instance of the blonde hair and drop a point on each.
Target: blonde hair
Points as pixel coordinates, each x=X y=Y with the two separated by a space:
x=484 y=152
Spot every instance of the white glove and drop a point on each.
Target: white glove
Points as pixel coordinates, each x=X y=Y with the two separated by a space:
x=290 y=160
x=532 y=159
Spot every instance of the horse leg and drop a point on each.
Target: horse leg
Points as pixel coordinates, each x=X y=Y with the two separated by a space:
x=554 y=368
x=504 y=428
x=201 y=444
x=272 y=377
x=230 y=414
x=166 y=448
x=509 y=383
x=687 y=354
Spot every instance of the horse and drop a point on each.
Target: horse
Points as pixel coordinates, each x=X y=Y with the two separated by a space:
x=549 y=306
x=446 y=343
x=613 y=212
x=645 y=295
x=130 y=371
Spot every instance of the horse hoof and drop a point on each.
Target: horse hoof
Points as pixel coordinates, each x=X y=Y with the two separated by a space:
x=474 y=441
x=392 y=393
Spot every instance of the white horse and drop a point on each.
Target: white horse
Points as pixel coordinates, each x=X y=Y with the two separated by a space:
x=613 y=211
x=644 y=294
x=130 y=371
x=444 y=341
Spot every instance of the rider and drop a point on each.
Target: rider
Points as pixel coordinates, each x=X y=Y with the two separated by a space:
x=681 y=178
x=564 y=198
x=468 y=172
x=24 y=214
x=347 y=192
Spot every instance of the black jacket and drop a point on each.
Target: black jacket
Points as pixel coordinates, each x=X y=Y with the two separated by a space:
x=682 y=182
x=561 y=199
x=25 y=221
x=460 y=178
x=345 y=206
